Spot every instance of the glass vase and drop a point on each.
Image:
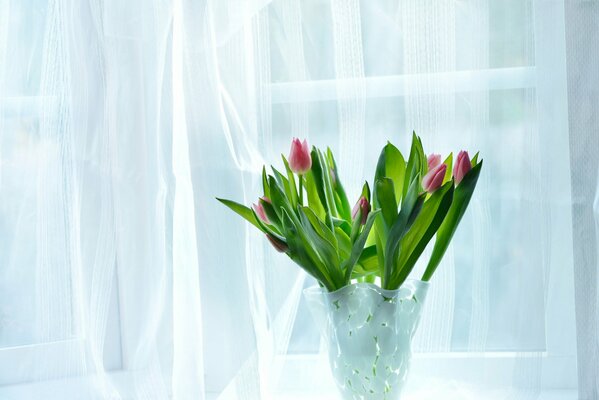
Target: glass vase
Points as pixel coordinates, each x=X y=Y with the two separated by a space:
x=368 y=333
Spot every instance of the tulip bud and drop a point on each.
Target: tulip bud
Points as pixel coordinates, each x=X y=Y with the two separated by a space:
x=279 y=245
x=300 y=161
x=461 y=167
x=433 y=160
x=362 y=205
x=434 y=178
x=261 y=213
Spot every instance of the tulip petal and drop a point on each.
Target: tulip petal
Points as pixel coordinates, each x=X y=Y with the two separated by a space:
x=299 y=157
x=434 y=178
x=461 y=167
x=433 y=160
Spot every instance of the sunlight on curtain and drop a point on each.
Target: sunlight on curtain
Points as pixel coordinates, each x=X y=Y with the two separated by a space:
x=96 y=206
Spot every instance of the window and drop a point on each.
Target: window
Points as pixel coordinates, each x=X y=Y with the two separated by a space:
x=104 y=227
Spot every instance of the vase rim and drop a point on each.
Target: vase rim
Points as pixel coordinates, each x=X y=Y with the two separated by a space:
x=416 y=283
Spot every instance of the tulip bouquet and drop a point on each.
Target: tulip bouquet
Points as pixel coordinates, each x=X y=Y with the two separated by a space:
x=305 y=213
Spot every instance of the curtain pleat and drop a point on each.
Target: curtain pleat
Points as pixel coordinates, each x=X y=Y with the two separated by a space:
x=582 y=38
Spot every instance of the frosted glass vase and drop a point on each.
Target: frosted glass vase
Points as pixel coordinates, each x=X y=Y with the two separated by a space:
x=368 y=332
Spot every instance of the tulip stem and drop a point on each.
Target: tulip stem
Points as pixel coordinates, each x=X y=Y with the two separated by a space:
x=301 y=190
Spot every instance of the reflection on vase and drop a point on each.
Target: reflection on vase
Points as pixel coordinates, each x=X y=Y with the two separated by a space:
x=368 y=332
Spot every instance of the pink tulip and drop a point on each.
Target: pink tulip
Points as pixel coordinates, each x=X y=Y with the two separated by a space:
x=300 y=161
x=434 y=178
x=461 y=167
x=261 y=213
x=433 y=160
x=362 y=205
x=280 y=246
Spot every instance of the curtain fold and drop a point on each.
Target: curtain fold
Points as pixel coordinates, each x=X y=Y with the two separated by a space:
x=582 y=40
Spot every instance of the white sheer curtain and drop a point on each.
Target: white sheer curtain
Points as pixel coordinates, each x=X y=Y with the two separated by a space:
x=99 y=283
x=120 y=121
x=582 y=38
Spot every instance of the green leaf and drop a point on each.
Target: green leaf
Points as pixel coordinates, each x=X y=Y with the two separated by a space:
x=313 y=197
x=323 y=185
x=415 y=164
x=423 y=158
x=279 y=200
x=369 y=259
x=422 y=231
x=286 y=186
x=378 y=235
x=298 y=252
x=292 y=185
x=343 y=224
x=381 y=167
x=395 y=168
x=319 y=241
x=355 y=227
x=246 y=212
x=385 y=195
x=448 y=172
x=391 y=164
x=380 y=253
x=265 y=183
x=271 y=214
x=359 y=246
x=363 y=275
x=474 y=160
x=267 y=229
x=366 y=192
x=344 y=244
x=416 y=210
x=339 y=205
x=280 y=178
x=399 y=228
x=341 y=197
x=320 y=227
x=461 y=199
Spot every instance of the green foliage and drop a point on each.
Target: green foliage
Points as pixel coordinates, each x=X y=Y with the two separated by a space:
x=358 y=246
x=341 y=200
x=392 y=165
x=409 y=210
x=245 y=212
x=417 y=164
x=448 y=172
x=322 y=182
x=462 y=196
x=333 y=246
x=385 y=194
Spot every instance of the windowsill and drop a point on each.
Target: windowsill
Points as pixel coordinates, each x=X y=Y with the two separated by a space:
x=545 y=395
x=79 y=388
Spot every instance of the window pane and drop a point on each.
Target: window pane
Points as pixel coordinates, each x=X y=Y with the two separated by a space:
x=33 y=208
x=410 y=36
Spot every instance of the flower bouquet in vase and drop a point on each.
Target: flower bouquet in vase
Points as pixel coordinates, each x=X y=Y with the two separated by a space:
x=365 y=304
